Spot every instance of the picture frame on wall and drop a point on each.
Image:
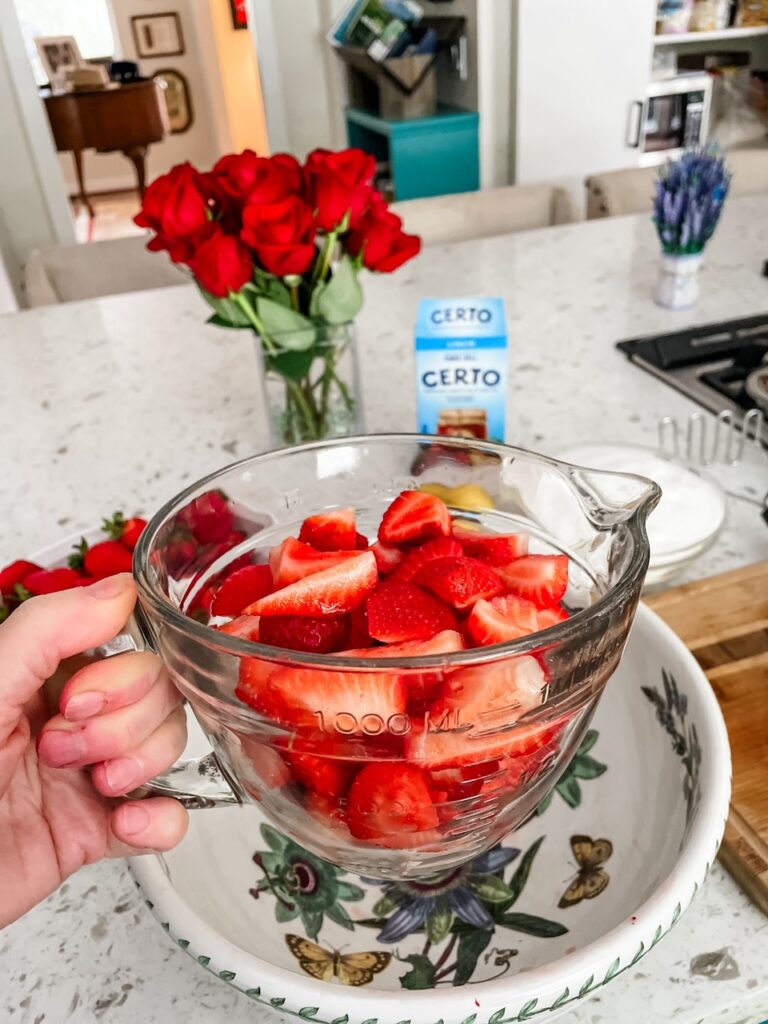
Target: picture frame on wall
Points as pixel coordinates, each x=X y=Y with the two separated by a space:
x=158 y=35
x=239 y=13
x=177 y=99
x=58 y=55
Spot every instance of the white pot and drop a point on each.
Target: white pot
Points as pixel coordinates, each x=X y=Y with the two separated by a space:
x=678 y=284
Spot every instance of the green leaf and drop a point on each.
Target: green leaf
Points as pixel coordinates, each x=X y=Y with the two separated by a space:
x=612 y=971
x=342 y=298
x=587 y=985
x=270 y=286
x=253 y=993
x=497 y=1016
x=338 y=914
x=590 y=739
x=561 y=999
x=385 y=906
x=545 y=802
x=347 y=891
x=313 y=922
x=295 y=365
x=308 y=1012
x=182 y=943
x=471 y=945
x=275 y=840
x=677 y=913
x=657 y=935
x=527 y=1010
x=277 y=1001
x=587 y=768
x=421 y=974
x=227 y=310
x=570 y=791
x=530 y=925
x=470 y=1019
x=285 y=913
x=491 y=888
x=284 y=326
x=439 y=923
x=638 y=954
x=314 y=302
x=371 y=1020
x=518 y=881
x=341 y=1020
x=227 y=975
x=219 y=321
x=204 y=960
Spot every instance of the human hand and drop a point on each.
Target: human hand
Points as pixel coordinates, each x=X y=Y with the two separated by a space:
x=62 y=778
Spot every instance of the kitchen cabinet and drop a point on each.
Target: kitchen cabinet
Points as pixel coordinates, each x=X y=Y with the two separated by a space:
x=579 y=76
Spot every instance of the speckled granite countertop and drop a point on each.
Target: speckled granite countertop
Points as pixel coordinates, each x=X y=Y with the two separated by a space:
x=118 y=403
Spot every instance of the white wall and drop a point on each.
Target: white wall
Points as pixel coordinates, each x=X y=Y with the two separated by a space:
x=33 y=205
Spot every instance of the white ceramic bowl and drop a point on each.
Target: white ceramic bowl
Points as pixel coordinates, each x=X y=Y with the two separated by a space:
x=568 y=911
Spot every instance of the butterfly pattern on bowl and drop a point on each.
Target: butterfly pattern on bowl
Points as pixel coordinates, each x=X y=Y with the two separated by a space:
x=459 y=915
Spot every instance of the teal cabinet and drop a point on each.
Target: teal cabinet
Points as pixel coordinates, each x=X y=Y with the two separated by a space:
x=429 y=156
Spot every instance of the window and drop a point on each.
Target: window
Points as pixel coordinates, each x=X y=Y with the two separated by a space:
x=87 y=20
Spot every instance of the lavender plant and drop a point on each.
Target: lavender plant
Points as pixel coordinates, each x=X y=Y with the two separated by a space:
x=690 y=194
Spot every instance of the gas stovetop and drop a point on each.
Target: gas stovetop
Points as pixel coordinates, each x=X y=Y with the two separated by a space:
x=709 y=364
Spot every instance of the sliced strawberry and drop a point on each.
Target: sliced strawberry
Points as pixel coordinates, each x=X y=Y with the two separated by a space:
x=442 y=643
x=388 y=558
x=242 y=588
x=460 y=582
x=322 y=775
x=51 y=581
x=494 y=548
x=179 y=552
x=200 y=606
x=542 y=579
x=244 y=626
x=414 y=516
x=389 y=802
x=209 y=517
x=361 y=542
x=500 y=620
x=415 y=560
x=292 y=561
x=459 y=783
x=328 y=811
x=358 y=629
x=403 y=611
x=471 y=721
x=348 y=702
x=268 y=766
x=551 y=616
x=315 y=634
x=331 y=531
x=15 y=573
x=331 y=591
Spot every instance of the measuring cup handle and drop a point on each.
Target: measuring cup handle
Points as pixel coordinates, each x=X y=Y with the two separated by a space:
x=195 y=782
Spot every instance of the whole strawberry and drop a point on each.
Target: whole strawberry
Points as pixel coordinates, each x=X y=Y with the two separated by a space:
x=107 y=558
x=209 y=517
x=127 y=531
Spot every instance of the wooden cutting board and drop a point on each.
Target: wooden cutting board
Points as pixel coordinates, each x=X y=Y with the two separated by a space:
x=724 y=622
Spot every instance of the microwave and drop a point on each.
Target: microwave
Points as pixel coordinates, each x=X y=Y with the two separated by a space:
x=674 y=117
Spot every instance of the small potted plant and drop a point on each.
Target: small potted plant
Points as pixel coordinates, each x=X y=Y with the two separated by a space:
x=690 y=194
x=277 y=247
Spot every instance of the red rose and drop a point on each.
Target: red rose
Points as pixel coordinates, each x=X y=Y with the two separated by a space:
x=381 y=239
x=246 y=176
x=221 y=263
x=176 y=208
x=339 y=184
x=282 y=235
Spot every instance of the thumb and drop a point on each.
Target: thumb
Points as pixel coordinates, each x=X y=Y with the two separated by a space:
x=44 y=630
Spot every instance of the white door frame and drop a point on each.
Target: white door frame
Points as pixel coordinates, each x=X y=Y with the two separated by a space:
x=264 y=40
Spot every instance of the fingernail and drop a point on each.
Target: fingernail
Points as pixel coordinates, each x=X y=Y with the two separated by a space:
x=133 y=819
x=61 y=749
x=122 y=774
x=84 y=705
x=109 y=587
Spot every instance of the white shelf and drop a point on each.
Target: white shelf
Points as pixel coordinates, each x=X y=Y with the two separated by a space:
x=704 y=37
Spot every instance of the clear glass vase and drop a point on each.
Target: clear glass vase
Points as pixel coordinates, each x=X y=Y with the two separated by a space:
x=313 y=392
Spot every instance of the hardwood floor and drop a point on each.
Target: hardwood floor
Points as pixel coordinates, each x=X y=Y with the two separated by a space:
x=114 y=217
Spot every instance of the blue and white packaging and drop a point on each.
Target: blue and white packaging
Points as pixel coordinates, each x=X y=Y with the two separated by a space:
x=461 y=367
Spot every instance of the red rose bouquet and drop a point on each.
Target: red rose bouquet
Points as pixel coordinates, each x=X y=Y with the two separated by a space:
x=277 y=247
